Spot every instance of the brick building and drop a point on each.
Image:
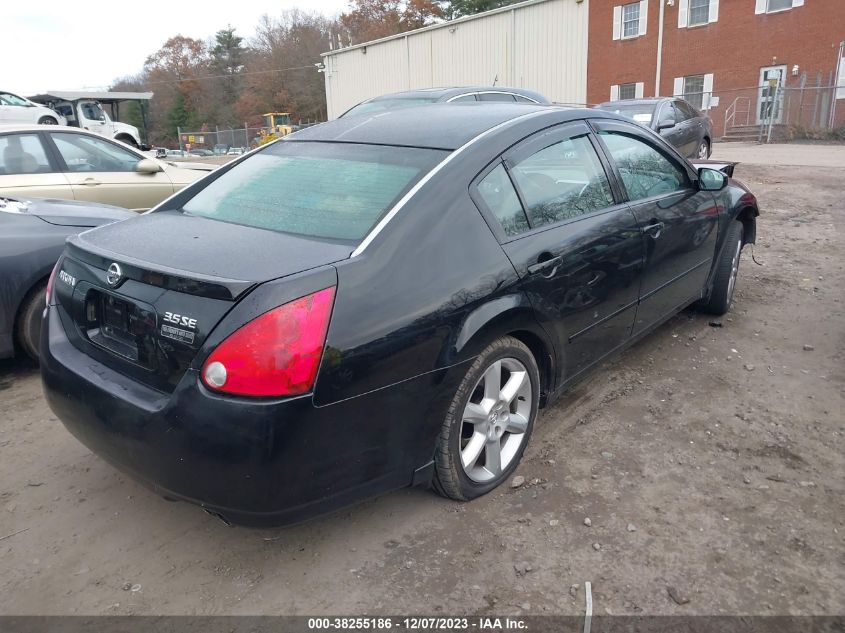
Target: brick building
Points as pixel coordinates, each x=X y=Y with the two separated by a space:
x=724 y=57
x=719 y=54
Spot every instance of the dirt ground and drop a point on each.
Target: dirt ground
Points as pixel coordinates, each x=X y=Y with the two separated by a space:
x=707 y=459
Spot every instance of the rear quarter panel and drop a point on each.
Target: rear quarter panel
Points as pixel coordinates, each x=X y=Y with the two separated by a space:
x=29 y=248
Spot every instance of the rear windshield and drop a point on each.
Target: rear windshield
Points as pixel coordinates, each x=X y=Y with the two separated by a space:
x=641 y=113
x=335 y=191
x=380 y=105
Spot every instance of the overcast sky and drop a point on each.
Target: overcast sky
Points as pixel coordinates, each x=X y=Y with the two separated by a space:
x=50 y=45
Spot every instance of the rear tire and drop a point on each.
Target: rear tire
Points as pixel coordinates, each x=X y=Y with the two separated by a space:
x=489 y=421
x=704 y=149
x=48 y=120
x=29 y=321
x=727 y=270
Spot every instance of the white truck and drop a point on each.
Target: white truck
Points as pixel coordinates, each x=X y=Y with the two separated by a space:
x=85 y=110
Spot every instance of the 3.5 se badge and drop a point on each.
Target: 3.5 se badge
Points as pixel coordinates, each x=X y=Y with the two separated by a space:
x=178 y=333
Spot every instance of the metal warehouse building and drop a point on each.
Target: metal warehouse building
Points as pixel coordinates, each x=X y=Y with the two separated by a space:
x=514 y=46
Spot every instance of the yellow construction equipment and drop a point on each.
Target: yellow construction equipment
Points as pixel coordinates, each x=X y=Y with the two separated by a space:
x=277 y=125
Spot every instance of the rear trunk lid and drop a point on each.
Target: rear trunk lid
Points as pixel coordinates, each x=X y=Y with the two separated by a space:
x=142 y=296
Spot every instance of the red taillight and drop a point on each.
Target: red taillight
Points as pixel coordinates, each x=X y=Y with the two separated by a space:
x=276 y=354
x=51 y=281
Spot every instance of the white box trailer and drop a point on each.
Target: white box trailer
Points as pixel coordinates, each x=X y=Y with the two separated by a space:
x=538 y=44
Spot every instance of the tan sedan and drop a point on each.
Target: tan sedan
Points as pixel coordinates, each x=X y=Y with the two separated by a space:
x=49 y=161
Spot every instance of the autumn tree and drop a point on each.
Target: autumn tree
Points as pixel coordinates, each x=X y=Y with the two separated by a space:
x=175 y=73
x=282 y=67
x=372 y=19
x=419 y=13
x=459 y=8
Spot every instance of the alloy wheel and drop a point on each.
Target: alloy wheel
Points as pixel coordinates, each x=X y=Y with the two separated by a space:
x=734 y=269
x=702 y=149
x=495 y=420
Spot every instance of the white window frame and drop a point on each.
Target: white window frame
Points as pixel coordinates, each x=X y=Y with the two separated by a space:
x=762 y=6
x=679 y=89
x=616 y=89
x=840 y=82
x=684 y=13
x=619 y=25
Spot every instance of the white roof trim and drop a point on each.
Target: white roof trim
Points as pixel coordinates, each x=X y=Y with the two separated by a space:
x=439 y=25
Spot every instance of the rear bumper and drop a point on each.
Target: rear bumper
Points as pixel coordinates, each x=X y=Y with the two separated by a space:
x=252 y=462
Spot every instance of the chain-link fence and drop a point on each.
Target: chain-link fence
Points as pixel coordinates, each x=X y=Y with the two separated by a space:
x=774 y=111
x=220 y=140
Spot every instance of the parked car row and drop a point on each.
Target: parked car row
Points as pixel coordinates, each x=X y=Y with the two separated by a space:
x=675 y=119
x=69 y=163
x=369 y=303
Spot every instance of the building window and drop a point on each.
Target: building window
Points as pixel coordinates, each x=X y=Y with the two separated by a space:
x=627 y=91
x=779 y=5
x=631 y=20
x=772 y=6
x=699 y=12
x=694 y=90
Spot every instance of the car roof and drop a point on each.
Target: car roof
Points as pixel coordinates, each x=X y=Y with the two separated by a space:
x=649 y=101
x=453 y=91
x=447 y=125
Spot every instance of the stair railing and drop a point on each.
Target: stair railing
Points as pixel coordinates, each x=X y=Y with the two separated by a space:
x=733 y=112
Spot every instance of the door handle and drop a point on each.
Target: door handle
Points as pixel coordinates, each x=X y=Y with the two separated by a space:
x=91 y=182
x=547 y=267
x=654 y=229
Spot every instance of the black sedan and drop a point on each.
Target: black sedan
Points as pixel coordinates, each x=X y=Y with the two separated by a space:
x=465 y=94
x=32 y=237
x=368 y=304
x=676 y=120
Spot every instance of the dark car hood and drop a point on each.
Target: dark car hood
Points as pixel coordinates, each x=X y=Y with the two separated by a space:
x=70 y=212
x=208 y=253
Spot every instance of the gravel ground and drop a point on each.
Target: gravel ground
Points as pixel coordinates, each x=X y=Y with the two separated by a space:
x=707 y=461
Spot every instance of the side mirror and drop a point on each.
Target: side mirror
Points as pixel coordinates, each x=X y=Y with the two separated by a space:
x=148 y=166
x=665 y=124
x=711 y=179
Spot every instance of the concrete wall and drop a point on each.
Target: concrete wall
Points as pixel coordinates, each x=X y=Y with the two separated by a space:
x=540 y=44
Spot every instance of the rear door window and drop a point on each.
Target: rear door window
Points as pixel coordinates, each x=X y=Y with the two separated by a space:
x=497 y=192
x=336 y=191
x=563 y=181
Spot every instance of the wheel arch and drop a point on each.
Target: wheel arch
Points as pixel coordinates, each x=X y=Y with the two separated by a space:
x=23 y=297
x=123 y=137
x=748 y=217
x=508 y=315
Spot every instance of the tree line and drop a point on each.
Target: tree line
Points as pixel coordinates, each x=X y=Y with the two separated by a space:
x=229 y=80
